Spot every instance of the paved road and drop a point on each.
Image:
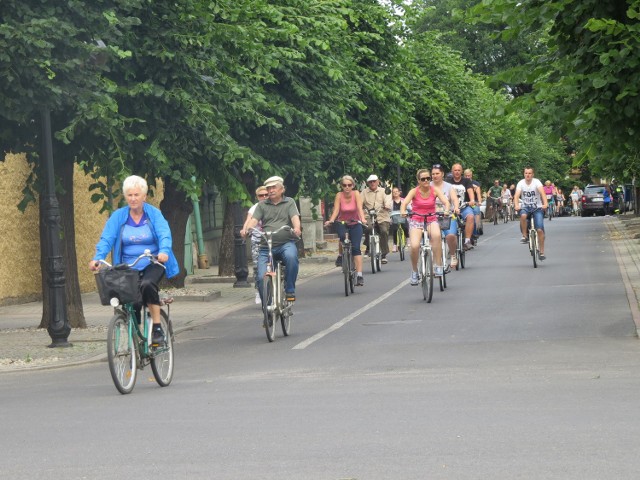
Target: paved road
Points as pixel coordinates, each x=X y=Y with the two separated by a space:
x=510 y=373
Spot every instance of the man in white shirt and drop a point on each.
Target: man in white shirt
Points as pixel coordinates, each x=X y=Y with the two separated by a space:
x=530 y=199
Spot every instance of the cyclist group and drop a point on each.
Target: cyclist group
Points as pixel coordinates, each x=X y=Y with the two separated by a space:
x=139 y=226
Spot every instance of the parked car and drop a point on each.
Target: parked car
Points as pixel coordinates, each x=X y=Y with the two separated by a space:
x=593 y=200
x=483 y=208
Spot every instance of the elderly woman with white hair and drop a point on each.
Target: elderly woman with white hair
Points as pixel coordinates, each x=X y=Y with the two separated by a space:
x=130 y=231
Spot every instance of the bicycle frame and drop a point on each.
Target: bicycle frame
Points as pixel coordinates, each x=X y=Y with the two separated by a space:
x=348 y=263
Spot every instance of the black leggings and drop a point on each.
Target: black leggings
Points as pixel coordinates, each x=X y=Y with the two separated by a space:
x=150 y=278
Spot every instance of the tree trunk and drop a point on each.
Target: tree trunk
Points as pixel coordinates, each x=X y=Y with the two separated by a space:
x=226 y=259
x=73 y=297
x=176 y=208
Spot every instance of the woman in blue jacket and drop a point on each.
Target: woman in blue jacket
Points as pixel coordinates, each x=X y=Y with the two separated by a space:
x=128 y=233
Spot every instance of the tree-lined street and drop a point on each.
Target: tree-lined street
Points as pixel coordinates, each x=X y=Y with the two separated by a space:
x=512 y=372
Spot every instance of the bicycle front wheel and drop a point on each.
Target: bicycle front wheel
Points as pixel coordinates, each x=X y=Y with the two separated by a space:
x=269 y=307
x=426 y=275
x=401 y=242
x=162 y=355
x=533 y=245
x=346 y=268
x=373 y=252
x=121 y=353
x=285 y=312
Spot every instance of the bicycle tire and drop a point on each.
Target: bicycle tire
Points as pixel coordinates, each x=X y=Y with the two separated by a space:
x=445 y=260
x=346 y=268
x=495 y=214
x=269 y=307
x=533 y=246
x=463 y=255
x=121 y=353
x=372 y=253
x=162 y=362
x=427 y=277
x=285 y=312
x=401 y=243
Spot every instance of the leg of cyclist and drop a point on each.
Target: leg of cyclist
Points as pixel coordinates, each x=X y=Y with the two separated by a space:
x=524 y=228
x=263 y=257
x=355 y=233
x=288 y=253
x=384 y=240
x=415 y=234
x=436 y=247
x=451 y=236
x=538 y=222
x=469 y=218
x=393 y=233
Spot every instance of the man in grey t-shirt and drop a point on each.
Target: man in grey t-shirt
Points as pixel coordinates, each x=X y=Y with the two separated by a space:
x=276 y=211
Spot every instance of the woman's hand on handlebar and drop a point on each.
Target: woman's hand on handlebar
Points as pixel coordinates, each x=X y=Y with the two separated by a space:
x=94 y=265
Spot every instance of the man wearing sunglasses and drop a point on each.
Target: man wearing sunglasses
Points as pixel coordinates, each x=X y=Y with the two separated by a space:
x=375 y=198
x=261 y=194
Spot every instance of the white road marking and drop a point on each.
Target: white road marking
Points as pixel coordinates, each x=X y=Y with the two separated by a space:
x=348 y=318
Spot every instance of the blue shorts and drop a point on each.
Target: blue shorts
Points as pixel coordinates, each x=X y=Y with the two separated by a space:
x=466 y=211
x=453 y=229
x=538 y=216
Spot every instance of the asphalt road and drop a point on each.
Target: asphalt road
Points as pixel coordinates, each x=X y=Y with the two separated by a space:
x=510 y=373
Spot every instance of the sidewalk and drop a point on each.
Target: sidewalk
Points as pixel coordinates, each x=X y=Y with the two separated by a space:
x=25 y=347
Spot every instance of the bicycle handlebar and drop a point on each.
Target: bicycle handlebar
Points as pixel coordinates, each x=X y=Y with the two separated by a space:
x=145 y=254
x=266 y=234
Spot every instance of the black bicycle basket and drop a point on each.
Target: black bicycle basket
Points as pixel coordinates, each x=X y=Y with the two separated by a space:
x=444 y=222
x=120 y=282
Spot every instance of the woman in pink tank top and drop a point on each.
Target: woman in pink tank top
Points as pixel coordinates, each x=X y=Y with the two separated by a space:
x=423 y=201
x=347 y=207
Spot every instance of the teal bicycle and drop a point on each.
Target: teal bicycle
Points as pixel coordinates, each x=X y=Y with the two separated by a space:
x=129 y=340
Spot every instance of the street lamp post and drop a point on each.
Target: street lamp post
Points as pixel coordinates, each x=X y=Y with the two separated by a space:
x=58 y=325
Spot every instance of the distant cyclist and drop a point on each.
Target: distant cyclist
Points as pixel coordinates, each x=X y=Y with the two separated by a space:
x=550 y=192
x=531 y=199
x=494 y=194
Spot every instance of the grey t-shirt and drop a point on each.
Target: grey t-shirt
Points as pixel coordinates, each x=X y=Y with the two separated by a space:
x=275 y=216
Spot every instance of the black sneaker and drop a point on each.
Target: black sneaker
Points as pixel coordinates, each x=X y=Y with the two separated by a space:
x=339 y=261
x=158 y=336
x=360 y=282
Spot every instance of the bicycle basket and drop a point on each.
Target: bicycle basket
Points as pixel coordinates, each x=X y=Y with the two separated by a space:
x=444 y=222
x=121 y=283
x=398 y=220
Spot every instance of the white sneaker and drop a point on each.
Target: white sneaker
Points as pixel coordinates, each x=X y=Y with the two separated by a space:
x=258 y=301
x=415 y=278
x=454 y=261
x=437 y=271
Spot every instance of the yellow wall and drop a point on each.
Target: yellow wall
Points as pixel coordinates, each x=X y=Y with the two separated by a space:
x=19 y=238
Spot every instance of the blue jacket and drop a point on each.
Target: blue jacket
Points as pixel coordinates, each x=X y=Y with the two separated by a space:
x=110 y=240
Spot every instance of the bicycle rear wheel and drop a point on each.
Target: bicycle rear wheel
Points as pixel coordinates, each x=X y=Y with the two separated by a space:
x=162 y=355
x=121 y=353
x=269 y=307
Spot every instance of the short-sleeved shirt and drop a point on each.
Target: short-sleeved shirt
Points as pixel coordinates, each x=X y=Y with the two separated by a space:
x=445 y=188
x=529 y=194
x=275 y=216
x=495 y=192
x=461 y=187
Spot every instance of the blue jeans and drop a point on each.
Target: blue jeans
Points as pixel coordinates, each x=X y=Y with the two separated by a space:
x=355 y=235
x=538 y=216
x=288 y=253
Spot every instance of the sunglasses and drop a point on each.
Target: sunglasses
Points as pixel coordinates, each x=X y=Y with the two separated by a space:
x=437 y=165
x=345 y=185
x=263 y=195
x=425 y=179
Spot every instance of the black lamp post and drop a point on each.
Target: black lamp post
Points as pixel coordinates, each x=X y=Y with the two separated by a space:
x=239 y=248
x=58 y=328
